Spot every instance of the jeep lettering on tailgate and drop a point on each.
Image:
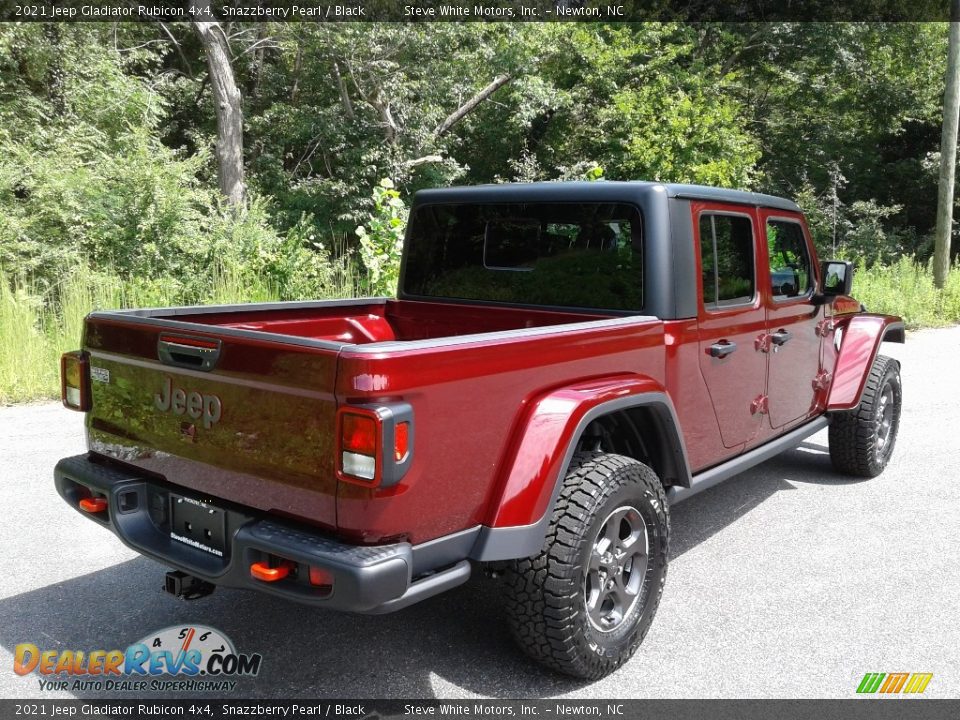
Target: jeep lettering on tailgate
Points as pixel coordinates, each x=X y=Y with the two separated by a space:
x=179 y=401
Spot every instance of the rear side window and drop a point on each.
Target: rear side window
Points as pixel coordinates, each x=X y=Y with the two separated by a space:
x=726 y=259
x=583 y=255
x=790 y=273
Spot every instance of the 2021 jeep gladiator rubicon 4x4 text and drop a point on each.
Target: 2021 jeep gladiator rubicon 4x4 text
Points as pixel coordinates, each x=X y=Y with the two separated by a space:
x=563 y=362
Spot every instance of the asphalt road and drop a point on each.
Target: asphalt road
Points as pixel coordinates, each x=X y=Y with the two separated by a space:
x=787 y=581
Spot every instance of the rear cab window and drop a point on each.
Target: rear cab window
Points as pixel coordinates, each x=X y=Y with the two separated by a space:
x=572 y=254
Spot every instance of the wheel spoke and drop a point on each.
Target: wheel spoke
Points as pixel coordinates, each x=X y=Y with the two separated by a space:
x=621 y=589
x=612 y=531
x=637 y=553
x=600 y=615
x=616 y=568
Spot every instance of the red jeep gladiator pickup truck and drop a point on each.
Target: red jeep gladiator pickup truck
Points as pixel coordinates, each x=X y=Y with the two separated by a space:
x=563 y=362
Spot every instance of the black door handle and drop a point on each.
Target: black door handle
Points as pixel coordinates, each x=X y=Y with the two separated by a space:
x=780 y=337
x=721 y=349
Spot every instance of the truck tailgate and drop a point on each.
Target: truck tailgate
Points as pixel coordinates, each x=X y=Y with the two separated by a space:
x=229 y=415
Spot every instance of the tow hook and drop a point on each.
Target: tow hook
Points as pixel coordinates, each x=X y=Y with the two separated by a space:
x=186 y=587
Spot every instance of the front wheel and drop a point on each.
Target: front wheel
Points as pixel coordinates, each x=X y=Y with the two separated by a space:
x=862 y=439
x=583 y=605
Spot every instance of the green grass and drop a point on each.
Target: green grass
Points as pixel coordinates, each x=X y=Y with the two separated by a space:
x=37 y=326
x=906 y=288
x=28 y=362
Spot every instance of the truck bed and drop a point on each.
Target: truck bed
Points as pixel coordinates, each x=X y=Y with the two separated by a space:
x=281 y=370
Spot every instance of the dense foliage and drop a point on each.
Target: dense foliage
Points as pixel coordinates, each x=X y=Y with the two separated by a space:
x=106 y=134
x=106 y=130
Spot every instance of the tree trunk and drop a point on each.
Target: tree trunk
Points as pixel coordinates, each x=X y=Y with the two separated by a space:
x=297 y=68
x=344 y=94
x=226 y=97
x=948 y=155
x=462 y=111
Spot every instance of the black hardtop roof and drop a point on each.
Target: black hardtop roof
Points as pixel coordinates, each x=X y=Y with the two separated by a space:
x=604 y=190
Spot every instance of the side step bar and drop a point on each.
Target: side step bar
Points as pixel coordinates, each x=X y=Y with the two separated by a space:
x=734 y=466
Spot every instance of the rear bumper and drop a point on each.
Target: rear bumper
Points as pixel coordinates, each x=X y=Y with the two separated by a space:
x=365 y=579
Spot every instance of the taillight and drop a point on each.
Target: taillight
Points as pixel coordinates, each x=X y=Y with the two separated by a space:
x=75 y=381
x=359 y=434
x=375 y=443
x=359 y=445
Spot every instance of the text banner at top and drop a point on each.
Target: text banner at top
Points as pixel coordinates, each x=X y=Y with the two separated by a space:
x=479 y=11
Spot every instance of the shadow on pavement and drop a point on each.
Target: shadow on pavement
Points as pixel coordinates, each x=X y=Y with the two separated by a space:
x=703 y=515
x=459 y=638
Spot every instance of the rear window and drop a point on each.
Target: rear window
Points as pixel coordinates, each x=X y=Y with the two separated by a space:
x=585 y=255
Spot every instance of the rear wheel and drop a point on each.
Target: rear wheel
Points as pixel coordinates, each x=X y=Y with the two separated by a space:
x=584 y=604
x=862 y=439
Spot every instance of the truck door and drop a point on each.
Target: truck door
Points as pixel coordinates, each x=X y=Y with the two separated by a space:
x=792 y=318
x=731 y=318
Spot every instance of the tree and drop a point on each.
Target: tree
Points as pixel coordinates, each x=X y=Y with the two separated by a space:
x=227 y=103
x=632 y=99
x=344 y=105
x=948 y=155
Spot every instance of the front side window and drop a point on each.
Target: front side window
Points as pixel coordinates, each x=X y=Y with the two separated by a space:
x=726 y=259
x=583 y=255
x=790 y=272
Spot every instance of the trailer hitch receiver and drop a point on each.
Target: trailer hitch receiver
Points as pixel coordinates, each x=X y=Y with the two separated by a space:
x=186 y=587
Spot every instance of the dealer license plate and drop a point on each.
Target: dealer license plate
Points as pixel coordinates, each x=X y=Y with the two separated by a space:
x=197 y=524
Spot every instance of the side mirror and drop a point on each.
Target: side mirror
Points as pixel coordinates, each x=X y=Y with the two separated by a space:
x=836 y=278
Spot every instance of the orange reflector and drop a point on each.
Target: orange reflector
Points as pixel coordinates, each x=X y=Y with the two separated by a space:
x=93 y=504
x=358 y=433
x=262 y=571
x=321 y=577
x=401 y=441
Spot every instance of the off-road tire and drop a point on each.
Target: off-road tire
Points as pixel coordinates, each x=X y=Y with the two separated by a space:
x=546 y=594
x=857 y=444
